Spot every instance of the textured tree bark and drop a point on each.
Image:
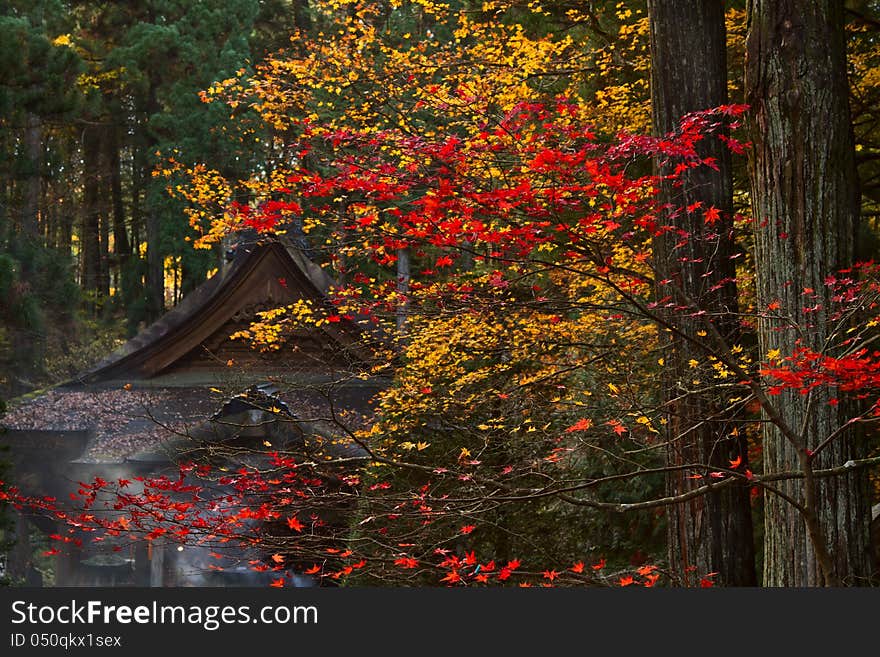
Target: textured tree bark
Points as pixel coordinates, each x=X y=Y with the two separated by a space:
x=712 y=534
x=155 y=280
x=67 y=211
x=33 y=144
x=121 y=243
x=104 y=217
x=91 y=213
x=403 y=279
x=155 y=267
x=805 y=203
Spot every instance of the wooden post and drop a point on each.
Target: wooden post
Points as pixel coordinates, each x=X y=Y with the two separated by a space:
x=403 y=278
x=141 y=564
x=157 y=565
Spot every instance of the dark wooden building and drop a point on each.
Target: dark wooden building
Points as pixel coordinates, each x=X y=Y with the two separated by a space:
x=183 y=383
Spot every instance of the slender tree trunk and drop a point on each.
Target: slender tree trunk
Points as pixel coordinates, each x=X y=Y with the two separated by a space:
x=48 y=218
x=104 y=217
x=137 y=186
x=711 y=534
x=66 y=209
x=404 y=275
x=121 y=243
x=805 y=203
x=91 y=212
x=155 y=267
x=155 y=257
x=33 y=145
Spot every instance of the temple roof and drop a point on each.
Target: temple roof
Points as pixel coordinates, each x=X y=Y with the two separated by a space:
x=264 y=274
x=174 y=379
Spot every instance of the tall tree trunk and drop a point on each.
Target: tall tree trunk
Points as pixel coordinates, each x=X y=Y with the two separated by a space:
x=155 y=257
x=711 y=534
x=404 y=275
x=66 y=209
x=48 y=218
x=91 y=211
x=155 y=267
x=121 y=243
x=137 y=186
x=104 y=217
x=805 y=203
x=33 y=145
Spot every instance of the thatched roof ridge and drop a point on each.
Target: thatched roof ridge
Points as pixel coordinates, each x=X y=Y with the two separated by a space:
x=210 y=300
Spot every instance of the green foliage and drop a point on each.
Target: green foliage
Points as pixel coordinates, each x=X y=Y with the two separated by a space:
x=38 y=303
x=35 y=75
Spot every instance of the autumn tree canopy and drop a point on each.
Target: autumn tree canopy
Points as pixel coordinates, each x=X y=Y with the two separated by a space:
x=608 y=255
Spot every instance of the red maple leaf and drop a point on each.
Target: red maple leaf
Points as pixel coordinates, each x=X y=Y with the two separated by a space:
x=550 y=574
x=581 y=425
x=599 y=565
x=467 y=529
x=578 y=567
x=617 y=427
x=735 y=463
x=627 y=581
x=314 y=570
x=277 y=583
x=452 y=577
x=295 y=524
x=278 y=558
x=711 y=215
x=345 y=571
x=406 y=562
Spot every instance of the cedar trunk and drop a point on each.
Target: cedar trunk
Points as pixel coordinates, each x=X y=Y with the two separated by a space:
x=33 y=143
x=805 y=203
x=711 y=534
x=121 y=243
x=155 y=280
x=91 y=212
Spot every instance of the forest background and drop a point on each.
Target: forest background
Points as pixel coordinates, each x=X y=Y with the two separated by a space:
x=625 y=250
